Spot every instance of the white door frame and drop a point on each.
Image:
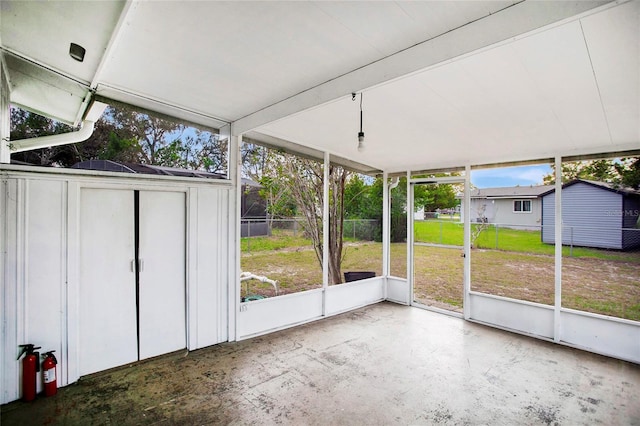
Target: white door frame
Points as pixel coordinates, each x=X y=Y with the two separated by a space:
x=466 y=243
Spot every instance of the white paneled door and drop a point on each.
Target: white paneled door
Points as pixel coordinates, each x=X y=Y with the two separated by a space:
x=162 y=273
x=132 y=276
x=107 y=302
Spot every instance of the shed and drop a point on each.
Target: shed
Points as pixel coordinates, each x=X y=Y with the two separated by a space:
x=594 y=214
x=253 y=208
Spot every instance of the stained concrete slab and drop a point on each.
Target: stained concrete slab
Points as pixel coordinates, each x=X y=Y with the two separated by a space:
x=383 y=364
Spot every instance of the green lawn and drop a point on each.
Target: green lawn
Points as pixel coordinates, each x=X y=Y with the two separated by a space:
x=599 y=281
x=279 y=240
x=451 y=233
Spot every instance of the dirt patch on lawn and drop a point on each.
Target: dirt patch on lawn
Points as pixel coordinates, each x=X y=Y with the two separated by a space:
x=609 y=287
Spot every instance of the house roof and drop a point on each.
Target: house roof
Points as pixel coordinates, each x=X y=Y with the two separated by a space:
x=443 y=84
x=148 y=169
x=533 y=191
x=602 y=185
x=251 y=183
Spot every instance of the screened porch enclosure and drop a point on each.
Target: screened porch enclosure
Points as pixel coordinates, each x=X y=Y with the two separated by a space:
x=438 y=91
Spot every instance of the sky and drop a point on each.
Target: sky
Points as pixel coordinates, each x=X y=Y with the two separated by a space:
x=510 y=176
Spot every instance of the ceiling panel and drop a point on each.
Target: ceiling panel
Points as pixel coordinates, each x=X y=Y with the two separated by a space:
x=613 y=38
x=526 y=99
x=248 y=55
x=557 y=62
x=244 y=56
x=43 y=30
x=568 y=86
x=40 y=91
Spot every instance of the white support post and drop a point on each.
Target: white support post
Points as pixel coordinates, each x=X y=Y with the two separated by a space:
x=466 y=304
x=325 y=232
x=235 y=247
x=410 y=237
x=5 y=116
x=557 y=329
x=386 y=259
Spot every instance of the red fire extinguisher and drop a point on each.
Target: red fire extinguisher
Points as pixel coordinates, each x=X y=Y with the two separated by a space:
x=30 y=366
x=49 y=373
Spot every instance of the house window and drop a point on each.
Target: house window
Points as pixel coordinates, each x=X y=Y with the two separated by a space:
x=522 y=206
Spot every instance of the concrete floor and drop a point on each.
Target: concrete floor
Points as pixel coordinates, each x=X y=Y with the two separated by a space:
x=383 y=364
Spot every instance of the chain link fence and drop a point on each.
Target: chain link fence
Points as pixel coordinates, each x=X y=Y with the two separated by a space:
x=528 y=238
x=353 y=229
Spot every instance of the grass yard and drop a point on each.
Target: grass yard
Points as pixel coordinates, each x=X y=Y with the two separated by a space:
x=598 y=281
x=506 y=239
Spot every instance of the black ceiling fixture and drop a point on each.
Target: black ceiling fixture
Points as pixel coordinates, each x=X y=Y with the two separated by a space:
x=77 y=52
x=360 y=133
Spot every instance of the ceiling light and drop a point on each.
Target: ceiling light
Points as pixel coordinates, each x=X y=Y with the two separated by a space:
x=360 y=133
x=77 y=52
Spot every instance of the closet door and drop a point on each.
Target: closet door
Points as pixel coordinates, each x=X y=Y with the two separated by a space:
x=162 y=281
x=107 y=287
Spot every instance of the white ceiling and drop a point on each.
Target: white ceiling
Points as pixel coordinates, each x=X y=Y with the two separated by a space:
x=444 y=83
x=572 y=88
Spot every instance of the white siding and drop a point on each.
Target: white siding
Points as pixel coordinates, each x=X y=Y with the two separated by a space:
x=500 y=211
x=40 y=233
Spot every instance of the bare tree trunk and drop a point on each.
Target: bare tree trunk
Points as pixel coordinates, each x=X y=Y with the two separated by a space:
x=337 y=177
x=306 y=183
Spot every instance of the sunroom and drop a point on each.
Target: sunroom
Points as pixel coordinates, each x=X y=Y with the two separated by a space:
x=431 y=92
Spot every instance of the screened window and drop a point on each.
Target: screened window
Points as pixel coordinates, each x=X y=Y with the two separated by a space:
x=522 y=206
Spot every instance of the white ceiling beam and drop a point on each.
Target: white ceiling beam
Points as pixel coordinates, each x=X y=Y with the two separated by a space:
x=573 y=154
x=275 y=143
x=507 y=24
x=116 y=36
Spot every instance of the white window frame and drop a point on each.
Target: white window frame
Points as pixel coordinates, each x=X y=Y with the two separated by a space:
x=522 y=204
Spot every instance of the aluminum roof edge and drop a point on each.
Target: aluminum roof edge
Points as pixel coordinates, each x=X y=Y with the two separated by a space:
x=289 y=147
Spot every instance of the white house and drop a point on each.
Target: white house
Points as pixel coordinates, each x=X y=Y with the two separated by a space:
x=517 y=206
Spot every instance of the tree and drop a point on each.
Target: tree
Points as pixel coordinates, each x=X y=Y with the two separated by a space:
x=201 y=151
x=125 y=135
x=305 y=180
x=158 y=139
x=629 y=171
x=438 y=197
x=116 y=149
x=277 y=194
x=257 y=161
x=623 y=171
x=481 y=226
x=398 y=209
x=25 y=125
x=358 y=198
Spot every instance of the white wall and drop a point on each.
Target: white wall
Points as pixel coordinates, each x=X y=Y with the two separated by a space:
x=398 y=290
x=500 y=211
x=39 y=232
x=601 y=334
x=276 y=313
x=511 y=314
x=347 y=296
x=604 y=335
